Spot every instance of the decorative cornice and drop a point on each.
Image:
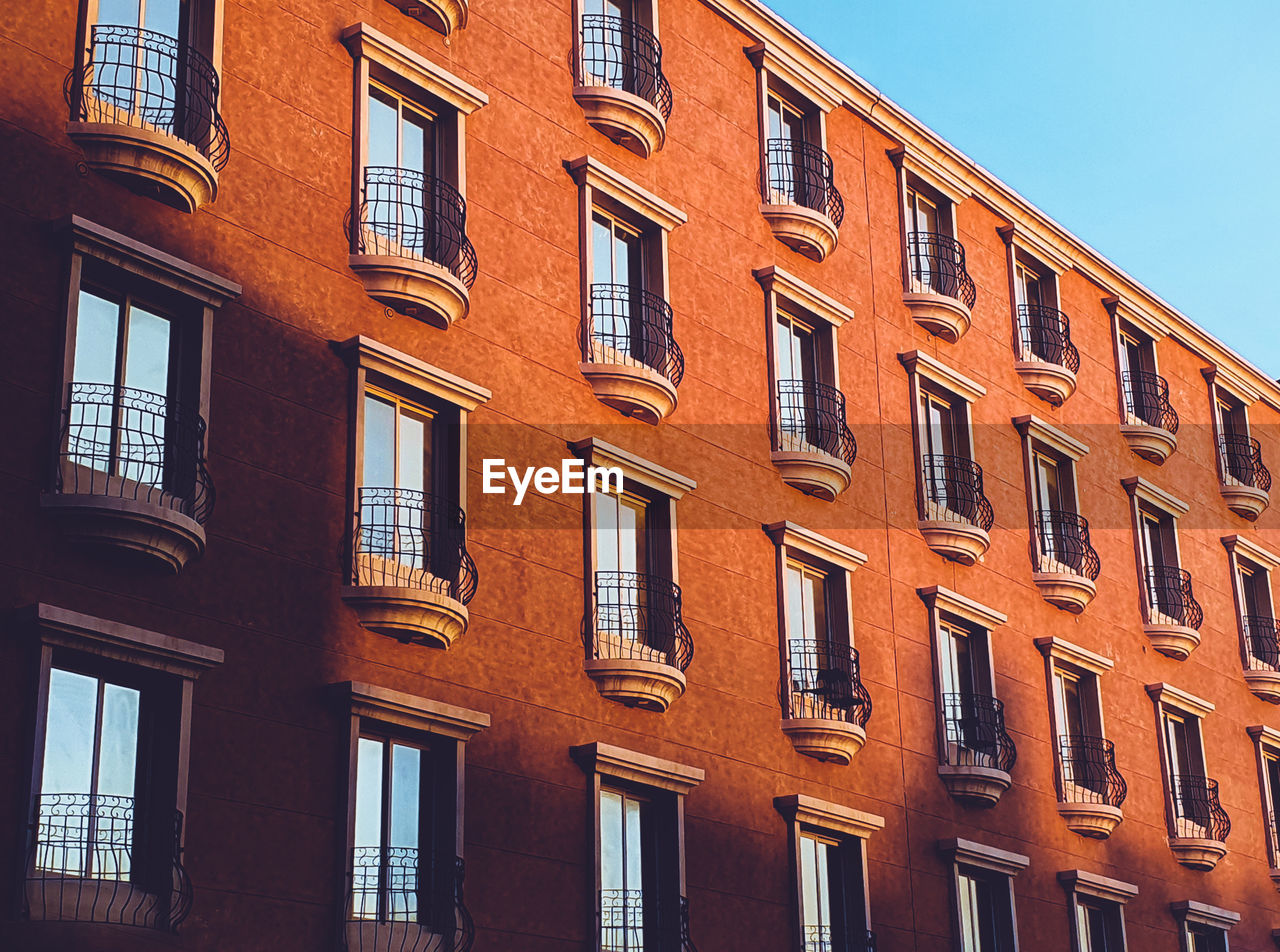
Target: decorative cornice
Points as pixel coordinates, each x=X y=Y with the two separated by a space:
x=1266 y=736
x=1101 y=887
x=979 y=854
x=1029 y=242
x=918 y=362
x=824 y=815
x=1061 y=650
x=774 y=279
x=943 y=599
x=1232 y=382
x=593 y=173
x=362 y=40
x=1050 y=435
x=408 y=710
x=1153 y=494
x=792 y=536
x=1188 y=910
x=628 y=765
x=792 y=71
x=372 y=355
x=596 y=452
x=1166 y=694
x=931 y=173
x=1240 y=545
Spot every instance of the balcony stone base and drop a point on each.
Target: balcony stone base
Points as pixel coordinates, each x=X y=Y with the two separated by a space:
x=443 y=15
x=817 y=474
x=1196 y=853
x=418 y=289
x=1174 y=641
x=650 y=685
x=1093 y=820
x=1065 y=590
x=835 y=742
x=163 y=535
x=1153 y=443
x=638 y=392
x=1050 y=382
x=960 y=542
x=940 y=315
x=1264 y=684
x=976 y=786
x=632 y=122
x=148 y=161
x=409 y=615
x=1244 y=500
x=803 y=230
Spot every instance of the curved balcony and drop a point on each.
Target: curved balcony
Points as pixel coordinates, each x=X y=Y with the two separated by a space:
x=1173 y=614
x=939 y=294
x=629 y=352
x=977 y=752
x=411 y=576
x=131 y=473
x=1261 y=656
x=1198 y=826
x=637 y=645
x=1246 y=482
x=813 y=448
x=392 y=908
x=802 y=205
x=1090 y=788
x=825 y=707
x=828 y=939
x=1150 y=426
x=443 y=15
x=144 y=108
x=956 y=516
x=1047 y=360
x=621 y=87
x=88 y=864
x=1067 y=564
x=629 y=921
x=409 y=245
x=1273 y=846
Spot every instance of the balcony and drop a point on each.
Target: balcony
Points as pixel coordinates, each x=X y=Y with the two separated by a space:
x=1246 y=482
x=392 y=904
x=940 y=294
x=1173 y=614
x=825 y=939
x=409 y=245
x=144 y=108
x=628 y=921
x=638 y=648
x=813 y=448
x=1273 y=846
x=1150 y=426
x=621 y=87
x=956 y=517
x=629 y=352
x=825 y=707
x=1090 y=788
x=977 y=752
x=1067 y=564
x=1198 y=826
x=443 y=15
x=130 y=473
x=1047 y=360
x=1262 y=656
x=802 y=206
x=411 y=576
x=87 y=864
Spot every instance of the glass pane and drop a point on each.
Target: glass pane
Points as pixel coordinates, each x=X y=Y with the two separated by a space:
x=379 y=442
x=406 y=795
x=612 y=875
x=417 y=144
x=815 y=607
x=368 y=831
x=118 y=754
x=970 y=915
x=163 y=16
x=120 y=12
x=607 y=555
x=383 y=122
x=142 y=414
x=795 y=603
x=97 y=326
x=415 y=450
x=68 y=745
x=146 y=362
x=602 y=271
x=631 y=845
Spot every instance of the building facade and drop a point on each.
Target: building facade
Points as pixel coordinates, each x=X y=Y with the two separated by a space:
x=925 y=602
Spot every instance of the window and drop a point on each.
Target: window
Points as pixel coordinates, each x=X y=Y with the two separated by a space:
x=1251 y=567
x=813 y=447
x=109 y=771
x=629 y=353
x=825 y=706
x=1173 y=616
x=983 y=898
x=1266 y=742
x=931 y=244
x=1245 y=482
x=410 y=573
x=1096 y=904
x=1047 y=360
x=403 y=842
x=638 y=811
x=1201 y=927
x=1148 y=421
x=408 y=223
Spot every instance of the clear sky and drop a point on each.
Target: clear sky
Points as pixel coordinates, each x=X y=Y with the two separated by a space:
x=1151 y=130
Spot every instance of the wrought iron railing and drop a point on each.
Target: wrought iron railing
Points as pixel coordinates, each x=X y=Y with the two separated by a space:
x=405 y=213
x=1146 y=397
x=1062 y=540
x=632 y=327
x=1242 y=461
x=405 y=538
x=97 y=858
x=133 y=444
x=1273 y=839
x=802 y=174
x=621 y=54
x=811 y=416
x=139 y=78
x=953 y=485
x=639 y=618
x=1087 y=771
x=1044 y=334
x=823 y=679
x=1261 y=642
x=826 y=939
x=1197 y=812
x=974 y=733
x=391 y=909
x=937 y=266
x=1169 y=593
x=630 y=921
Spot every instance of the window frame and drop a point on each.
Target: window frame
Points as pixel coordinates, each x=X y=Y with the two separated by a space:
x=914 y=172
x=1227 y=387
x=1240 y=548
x=1128 y=319
x=1063 y=656
x=1080 y=884
x=1043 y=438
x=1266 y=745
x=1145 y=497
x=926 y=373
x=990 y=861
x=1171 y=701
x=1189 y=913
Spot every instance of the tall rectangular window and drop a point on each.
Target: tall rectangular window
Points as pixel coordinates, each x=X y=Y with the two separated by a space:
x=626 y=858
x=389 y=861
x=984 y=914
x=832 y=898
x=1098 y=926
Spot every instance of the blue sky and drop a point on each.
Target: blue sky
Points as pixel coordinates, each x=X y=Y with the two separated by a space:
x=1149 y=129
